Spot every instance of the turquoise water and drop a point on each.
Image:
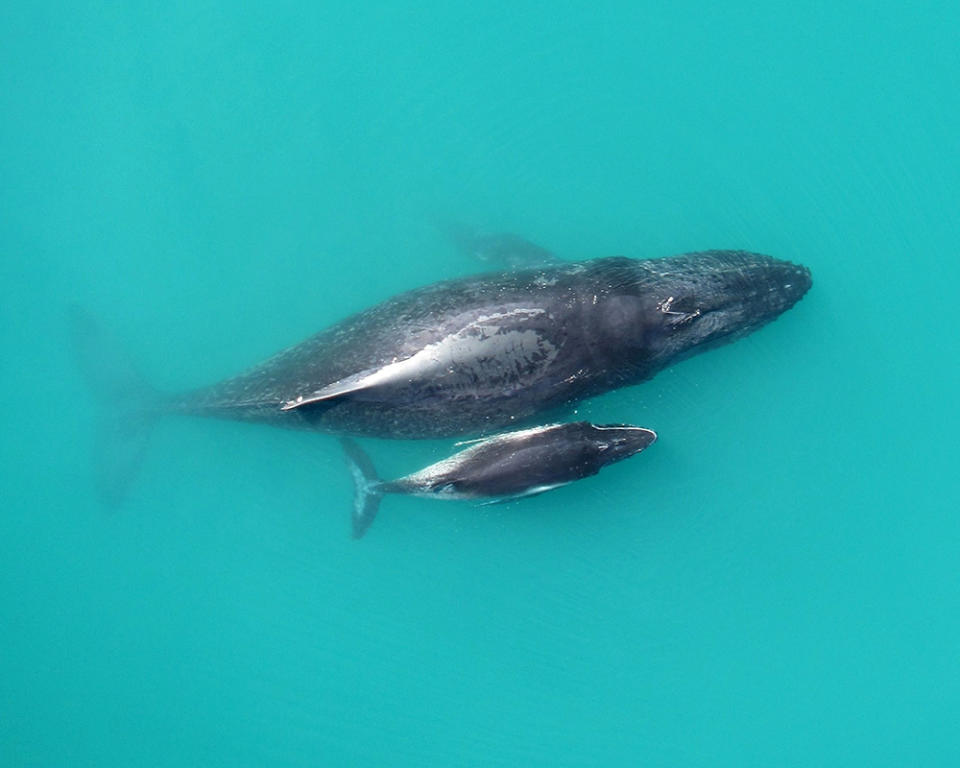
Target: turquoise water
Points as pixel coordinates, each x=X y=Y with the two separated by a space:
x=773 y=583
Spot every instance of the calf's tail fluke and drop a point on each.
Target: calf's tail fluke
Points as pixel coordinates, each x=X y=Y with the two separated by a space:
x=366 y=487
x=127 y=406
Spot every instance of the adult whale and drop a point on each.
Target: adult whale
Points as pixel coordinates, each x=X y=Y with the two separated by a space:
x=470 y=355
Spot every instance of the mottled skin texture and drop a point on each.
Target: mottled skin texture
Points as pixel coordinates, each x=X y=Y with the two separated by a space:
x=504 y=346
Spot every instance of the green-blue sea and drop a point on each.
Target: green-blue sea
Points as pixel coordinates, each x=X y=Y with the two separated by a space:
x=775 y=582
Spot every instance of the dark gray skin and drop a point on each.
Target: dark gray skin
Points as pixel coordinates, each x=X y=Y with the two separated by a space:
x=503 y=467
x=477 y=354
x=526 y=462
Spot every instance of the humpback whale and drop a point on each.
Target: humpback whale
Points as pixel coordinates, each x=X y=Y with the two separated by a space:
x=507 y=466
x=465 y=356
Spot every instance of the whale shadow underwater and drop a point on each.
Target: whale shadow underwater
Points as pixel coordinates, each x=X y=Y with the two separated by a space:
x=468 y=356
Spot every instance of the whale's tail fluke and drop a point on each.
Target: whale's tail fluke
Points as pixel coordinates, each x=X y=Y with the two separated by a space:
x=127 y=408
x=366 y=487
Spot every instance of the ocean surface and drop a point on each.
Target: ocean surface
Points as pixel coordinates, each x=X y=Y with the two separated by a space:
x=776 y=582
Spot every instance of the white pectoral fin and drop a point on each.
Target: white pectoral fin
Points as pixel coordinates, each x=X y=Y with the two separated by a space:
x=421 y=366
x=340 y=388
x=351 y=385
x=535 y=491
x=494 y=346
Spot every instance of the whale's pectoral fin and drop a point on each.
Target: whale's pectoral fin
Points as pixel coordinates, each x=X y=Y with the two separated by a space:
x=500 y=249
x=302 y=400
x=513 y=342
x=358 y=383
x=332 y=392
x=535 y=491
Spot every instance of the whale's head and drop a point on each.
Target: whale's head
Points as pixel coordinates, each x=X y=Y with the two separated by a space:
x=616 y=442
x=672 y=308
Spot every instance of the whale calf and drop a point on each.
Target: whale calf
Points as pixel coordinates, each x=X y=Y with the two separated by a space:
x=466 y=356
x=507 y=466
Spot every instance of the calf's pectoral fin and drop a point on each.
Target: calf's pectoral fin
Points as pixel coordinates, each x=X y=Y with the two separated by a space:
x=535 y=491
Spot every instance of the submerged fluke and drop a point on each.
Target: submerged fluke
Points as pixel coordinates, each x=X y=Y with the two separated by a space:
x=366 y=487
x=126 y=406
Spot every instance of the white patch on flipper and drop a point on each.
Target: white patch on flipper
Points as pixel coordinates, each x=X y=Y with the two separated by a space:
x=455 y=359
